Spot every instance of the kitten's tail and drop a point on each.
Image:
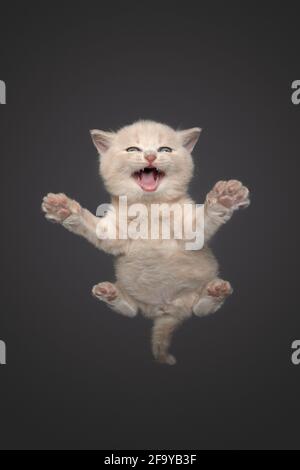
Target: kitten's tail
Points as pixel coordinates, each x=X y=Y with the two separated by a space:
x=162 y=333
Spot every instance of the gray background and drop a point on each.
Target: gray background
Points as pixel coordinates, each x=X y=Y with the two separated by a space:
x=78 y=375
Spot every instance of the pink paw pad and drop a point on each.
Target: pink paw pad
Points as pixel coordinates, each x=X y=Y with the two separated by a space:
x=219 y=289
x=58 y=207
x=105 y=291
x=230 y=194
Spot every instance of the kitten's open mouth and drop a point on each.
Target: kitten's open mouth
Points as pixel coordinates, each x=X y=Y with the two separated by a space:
x=149 y=178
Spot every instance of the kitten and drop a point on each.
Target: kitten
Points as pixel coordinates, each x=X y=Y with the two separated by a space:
x=151 y=163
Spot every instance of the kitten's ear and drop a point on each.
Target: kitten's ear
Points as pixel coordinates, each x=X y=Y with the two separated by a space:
x=190 y=137
x=102 y=140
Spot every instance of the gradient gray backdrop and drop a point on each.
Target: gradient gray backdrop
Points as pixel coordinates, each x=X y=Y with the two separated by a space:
x=78 y=375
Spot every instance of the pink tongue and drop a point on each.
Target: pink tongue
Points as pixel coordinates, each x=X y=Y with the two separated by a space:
x=148 y=181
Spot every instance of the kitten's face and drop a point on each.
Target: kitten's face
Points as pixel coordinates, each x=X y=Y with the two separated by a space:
x=146 y=160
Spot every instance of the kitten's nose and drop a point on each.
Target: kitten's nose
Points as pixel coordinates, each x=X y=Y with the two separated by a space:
x=151 y=158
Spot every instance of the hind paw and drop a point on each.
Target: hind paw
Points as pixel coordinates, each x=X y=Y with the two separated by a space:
x=105 y=291
x=219 y=289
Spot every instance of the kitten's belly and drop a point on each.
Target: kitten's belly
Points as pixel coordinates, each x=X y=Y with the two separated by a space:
x=156 y=274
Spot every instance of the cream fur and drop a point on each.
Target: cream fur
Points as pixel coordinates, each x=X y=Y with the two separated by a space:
x=159 y=278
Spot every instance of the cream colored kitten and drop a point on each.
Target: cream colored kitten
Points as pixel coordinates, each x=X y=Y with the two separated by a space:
x=151 y=163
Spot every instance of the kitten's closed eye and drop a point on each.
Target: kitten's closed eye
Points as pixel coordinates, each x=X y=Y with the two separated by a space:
x=133 y=149
x=165 y=149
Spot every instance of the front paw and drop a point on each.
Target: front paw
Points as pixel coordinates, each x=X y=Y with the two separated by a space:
x=58 y=207
x=229 y=194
